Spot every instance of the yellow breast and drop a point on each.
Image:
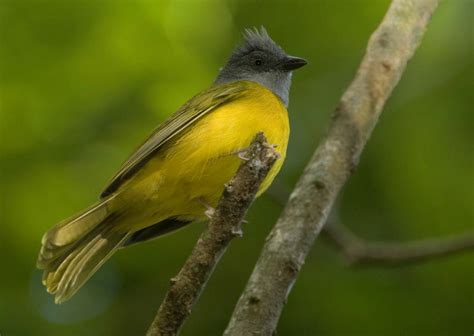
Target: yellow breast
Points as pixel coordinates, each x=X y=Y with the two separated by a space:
x=203 y=159
x=207 y=152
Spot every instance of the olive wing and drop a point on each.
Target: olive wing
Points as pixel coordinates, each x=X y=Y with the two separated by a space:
x=173 y=127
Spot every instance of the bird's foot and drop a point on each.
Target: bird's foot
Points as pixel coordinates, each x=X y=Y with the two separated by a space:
x=267 y=145
x=242 y=154
x=210 y=212
x=209 y=209
x=271 y=146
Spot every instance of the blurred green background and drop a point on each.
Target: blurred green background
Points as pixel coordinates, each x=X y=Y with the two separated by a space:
x=83 y=82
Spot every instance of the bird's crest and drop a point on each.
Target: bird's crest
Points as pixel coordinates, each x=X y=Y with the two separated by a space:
x=258 y=39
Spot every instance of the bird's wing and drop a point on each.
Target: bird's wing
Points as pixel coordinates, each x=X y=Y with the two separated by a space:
x=187 y=115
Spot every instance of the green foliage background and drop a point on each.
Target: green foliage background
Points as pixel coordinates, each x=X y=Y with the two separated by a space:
x=83 y=82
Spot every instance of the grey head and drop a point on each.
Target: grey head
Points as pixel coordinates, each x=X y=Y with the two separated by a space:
x=260 y=59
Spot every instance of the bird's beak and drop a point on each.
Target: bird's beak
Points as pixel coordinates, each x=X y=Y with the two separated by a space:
x=292 y=63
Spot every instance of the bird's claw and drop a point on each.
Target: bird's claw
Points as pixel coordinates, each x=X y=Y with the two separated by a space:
x=272 y=147
x=210 y=212
x=267 y=145
x=242 y=155
x=209 y=209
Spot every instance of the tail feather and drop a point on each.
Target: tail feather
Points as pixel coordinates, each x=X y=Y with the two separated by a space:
x=90 y=258
x=51 y=276
x=60 y=239
x=63 y=276
x=71 y=229
x=73 y=250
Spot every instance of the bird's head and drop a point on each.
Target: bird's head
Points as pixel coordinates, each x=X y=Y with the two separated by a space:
x=261 y=60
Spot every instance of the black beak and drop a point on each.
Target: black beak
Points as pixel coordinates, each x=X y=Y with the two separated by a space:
x=292 y=63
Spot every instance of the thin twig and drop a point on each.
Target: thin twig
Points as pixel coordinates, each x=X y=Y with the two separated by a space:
x=223 y=227
x=361 y=252
x=389 y=49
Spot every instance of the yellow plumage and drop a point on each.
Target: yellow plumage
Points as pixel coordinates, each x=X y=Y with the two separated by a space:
x=167 y=182
x=195 y=167
x=178 y=174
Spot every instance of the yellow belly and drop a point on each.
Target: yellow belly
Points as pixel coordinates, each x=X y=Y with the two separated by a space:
x=197 y=165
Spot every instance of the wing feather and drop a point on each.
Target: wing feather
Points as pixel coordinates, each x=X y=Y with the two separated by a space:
x=184 y=117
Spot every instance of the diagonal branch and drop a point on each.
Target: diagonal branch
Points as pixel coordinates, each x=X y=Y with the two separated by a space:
x=223 y=227
x=389 y=49
x=361 y=252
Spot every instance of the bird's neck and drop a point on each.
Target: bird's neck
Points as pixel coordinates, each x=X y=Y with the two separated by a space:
x=278 y=83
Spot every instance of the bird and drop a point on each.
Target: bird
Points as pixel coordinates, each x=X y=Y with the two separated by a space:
x=177 y=175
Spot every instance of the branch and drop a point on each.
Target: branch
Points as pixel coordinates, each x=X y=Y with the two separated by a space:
x=389 y=49
x=359 y=251
x=223 y=227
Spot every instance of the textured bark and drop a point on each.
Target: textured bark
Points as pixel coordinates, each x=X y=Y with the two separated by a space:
x=361 y=252
x=224 y=225
x=389 y=49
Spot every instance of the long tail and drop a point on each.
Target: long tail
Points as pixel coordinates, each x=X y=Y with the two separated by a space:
x=74 y=249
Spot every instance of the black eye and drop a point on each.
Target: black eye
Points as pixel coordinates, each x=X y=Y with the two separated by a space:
x=258 y=62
